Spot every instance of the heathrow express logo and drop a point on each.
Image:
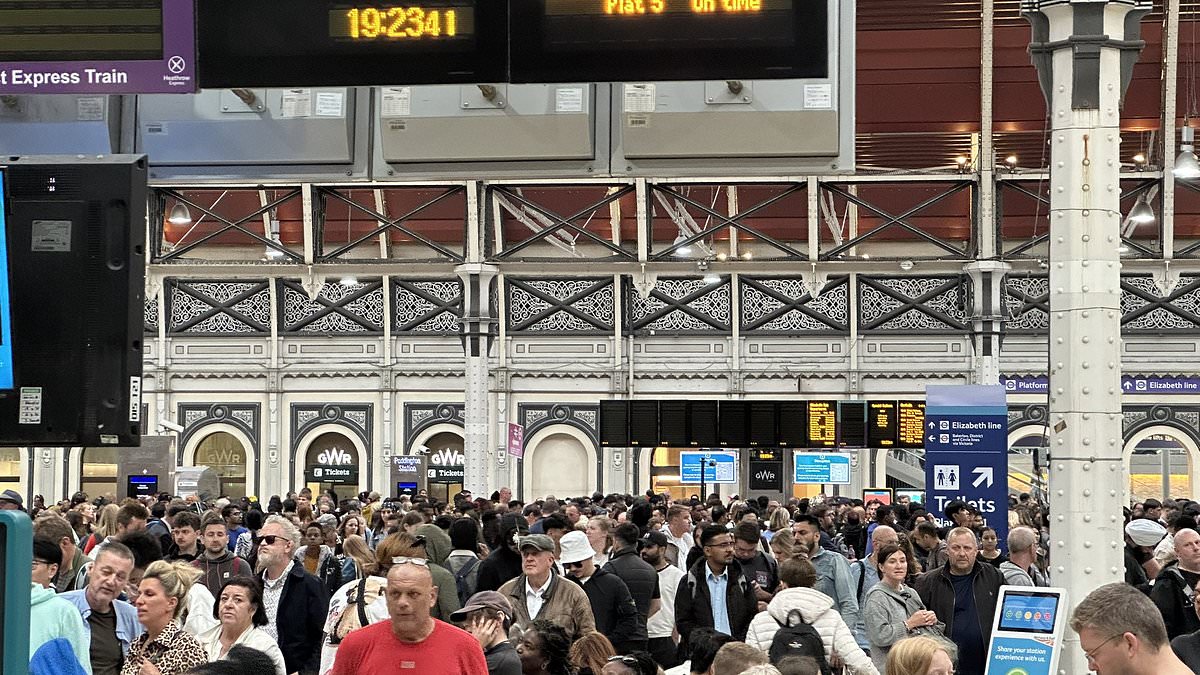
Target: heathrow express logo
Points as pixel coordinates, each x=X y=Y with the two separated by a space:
x=176 y=64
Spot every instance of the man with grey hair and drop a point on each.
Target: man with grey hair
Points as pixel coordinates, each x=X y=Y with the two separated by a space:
x=294 y=600
x=1122 y=633
x=1019 y=569
x=963 y=595
x=111 y=624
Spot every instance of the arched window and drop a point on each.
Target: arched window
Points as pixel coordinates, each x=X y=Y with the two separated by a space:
x=225 y=455
x=332 y=461
x=559 y=466
x=446 y=465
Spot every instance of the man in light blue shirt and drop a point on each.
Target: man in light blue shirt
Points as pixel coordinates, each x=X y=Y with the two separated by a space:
x=110 y=624
x=714 y=593
x=718 y=585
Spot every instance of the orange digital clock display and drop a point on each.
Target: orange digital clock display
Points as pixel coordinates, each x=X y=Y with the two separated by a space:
x=412 y=22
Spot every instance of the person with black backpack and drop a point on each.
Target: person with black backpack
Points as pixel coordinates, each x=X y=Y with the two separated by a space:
x=463 y=560
x=801 y=621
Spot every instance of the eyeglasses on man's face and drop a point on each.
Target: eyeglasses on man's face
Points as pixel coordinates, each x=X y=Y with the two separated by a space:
x=1090 y=654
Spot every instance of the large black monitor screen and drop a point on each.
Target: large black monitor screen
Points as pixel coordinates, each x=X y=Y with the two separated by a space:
x=75 y=236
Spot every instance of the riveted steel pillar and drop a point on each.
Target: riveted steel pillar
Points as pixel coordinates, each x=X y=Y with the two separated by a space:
x=1084 y=52
x=477 y=335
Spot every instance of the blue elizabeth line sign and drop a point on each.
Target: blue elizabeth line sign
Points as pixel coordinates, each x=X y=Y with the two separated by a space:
x=1129 y=385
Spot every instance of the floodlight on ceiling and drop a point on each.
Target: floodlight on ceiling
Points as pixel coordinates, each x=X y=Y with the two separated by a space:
x=180 y=215
x=1142 y=213
x=1186 y=165
x=684 y=249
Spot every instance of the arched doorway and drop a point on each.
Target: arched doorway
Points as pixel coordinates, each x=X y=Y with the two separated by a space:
x=446 y=465
x=559 y=464
x=1160 y=466
x=99 y=476
x=10 y=469
x=332 y=462
x=225 y=455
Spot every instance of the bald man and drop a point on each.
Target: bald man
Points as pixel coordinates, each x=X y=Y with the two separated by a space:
x=1174 y=589
x=412 y=641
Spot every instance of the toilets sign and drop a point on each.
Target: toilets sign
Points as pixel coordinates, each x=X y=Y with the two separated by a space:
x=966 y=452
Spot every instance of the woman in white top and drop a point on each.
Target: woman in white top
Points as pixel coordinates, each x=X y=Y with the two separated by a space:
x=597 y=530
x=240 y=611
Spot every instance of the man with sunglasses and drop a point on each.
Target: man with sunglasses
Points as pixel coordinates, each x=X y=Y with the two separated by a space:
x=1122 y=633
x=295 y=601
x=633 y=663
x=613 y=607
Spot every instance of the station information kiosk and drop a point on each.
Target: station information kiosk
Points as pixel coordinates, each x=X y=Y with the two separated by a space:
x=1027 y=632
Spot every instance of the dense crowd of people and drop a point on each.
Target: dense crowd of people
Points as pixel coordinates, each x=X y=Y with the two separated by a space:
x=600 y=584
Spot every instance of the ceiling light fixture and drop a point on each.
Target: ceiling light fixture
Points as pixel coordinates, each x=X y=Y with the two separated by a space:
x=684 y=249
x=1186 y=166
x=1142 y=213
x=180 y=215
x=349 y=281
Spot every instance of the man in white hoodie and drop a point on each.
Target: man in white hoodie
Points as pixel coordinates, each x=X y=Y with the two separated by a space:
x=797 y=598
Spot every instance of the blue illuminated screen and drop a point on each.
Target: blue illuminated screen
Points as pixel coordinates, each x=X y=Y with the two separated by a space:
x=6 y=350
x=1029 y=612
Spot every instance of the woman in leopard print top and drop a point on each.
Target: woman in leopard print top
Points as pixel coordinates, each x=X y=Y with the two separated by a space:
x=164 y=648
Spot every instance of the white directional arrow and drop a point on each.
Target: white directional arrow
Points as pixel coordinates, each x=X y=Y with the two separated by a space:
x=984 y=473
x=932 y=425
x=932 y=438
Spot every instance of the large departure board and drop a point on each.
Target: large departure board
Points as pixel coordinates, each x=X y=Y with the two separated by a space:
x=881 y=424
x=911 y=424
x=822 y=424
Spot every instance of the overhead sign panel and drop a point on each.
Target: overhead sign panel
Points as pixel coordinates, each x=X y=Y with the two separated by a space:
x=820 y=468
x=97 y=47
x=822 y=424
x=343 y=43
x=633 y=40
x=910 y=424
x=718 y=467
x=881 y=424
x=966 y=452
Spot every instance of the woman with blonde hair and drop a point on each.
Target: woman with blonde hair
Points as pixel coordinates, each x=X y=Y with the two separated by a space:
x=106 y=526
x=165 y=647
x=921 y=655
x=358 y=558
x=598 y=530
x=590 y=652
x=783 y=545
x=779 y=521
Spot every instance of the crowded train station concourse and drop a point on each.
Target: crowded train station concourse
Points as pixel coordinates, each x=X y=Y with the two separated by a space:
x=599 y=337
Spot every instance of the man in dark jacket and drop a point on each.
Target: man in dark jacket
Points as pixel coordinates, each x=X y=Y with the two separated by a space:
x=504 y=563
x=1174 y=591
x=613 y=607
x=637 y=574
x=714 y=593
x=963 y=595
x=295 y=601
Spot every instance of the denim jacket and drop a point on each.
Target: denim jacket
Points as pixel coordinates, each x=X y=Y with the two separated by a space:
x=128 y=628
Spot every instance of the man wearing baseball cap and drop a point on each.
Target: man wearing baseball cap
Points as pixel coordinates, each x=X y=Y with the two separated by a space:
x=538 y=593
x=660 y=627
x=488 y=616
x=613 y=607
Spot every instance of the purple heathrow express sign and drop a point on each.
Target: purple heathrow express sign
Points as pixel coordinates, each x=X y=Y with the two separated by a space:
x=111 y=47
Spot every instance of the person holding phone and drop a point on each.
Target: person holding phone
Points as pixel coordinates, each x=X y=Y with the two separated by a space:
x=893 y=611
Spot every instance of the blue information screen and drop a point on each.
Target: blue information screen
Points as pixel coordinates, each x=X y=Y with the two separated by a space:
x=1029 y=612
x=6 y=350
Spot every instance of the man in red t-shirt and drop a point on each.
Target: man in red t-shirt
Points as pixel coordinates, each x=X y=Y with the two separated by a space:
x=413 y=641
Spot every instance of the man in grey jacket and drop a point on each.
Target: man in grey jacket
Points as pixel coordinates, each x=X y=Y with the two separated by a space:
x=833 y=573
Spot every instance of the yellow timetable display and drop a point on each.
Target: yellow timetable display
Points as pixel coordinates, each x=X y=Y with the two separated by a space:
x=822 y=424
x=403 y=22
